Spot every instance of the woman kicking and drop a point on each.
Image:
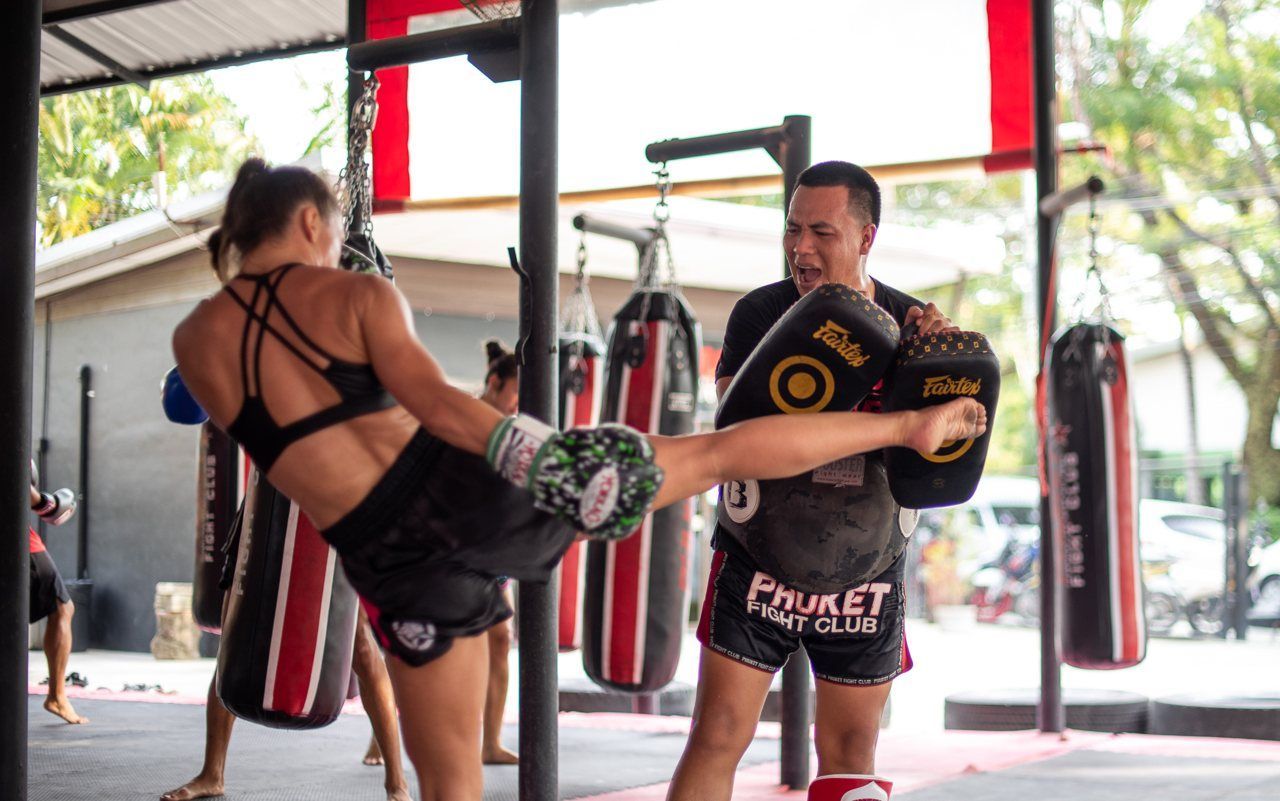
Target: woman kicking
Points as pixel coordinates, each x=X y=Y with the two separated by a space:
x=322 y=378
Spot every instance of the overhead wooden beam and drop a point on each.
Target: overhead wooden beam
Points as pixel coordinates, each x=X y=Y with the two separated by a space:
x=888 y=174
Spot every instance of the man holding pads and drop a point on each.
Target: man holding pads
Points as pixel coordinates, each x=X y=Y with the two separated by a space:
x=752 y=621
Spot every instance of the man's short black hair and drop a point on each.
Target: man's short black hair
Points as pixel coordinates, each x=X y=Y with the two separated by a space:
x=864 y=192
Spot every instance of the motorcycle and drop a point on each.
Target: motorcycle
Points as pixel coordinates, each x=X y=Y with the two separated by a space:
x=1009 y=583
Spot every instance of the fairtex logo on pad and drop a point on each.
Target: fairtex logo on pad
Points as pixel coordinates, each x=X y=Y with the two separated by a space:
x=837 y=338
x=600 y=497
x=950 y=385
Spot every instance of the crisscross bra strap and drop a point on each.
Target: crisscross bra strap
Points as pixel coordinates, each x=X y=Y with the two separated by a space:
x=266 y=285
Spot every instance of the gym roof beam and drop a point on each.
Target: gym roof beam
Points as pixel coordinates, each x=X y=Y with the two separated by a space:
x=492 y=47
x=56 y=12
x=84 y=48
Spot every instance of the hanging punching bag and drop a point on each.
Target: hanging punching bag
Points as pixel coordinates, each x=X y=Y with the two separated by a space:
x=218 y=495
x=581 y=387
x=289 y=626
x=637 y=588
x=1093 y=498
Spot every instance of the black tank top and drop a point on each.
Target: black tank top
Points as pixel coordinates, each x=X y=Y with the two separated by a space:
x=360 y=391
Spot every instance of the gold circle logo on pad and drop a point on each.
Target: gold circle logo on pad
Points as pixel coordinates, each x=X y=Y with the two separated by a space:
x=806 y=379
x=951 y=450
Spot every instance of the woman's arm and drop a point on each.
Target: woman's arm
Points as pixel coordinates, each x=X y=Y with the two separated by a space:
x=413 y=376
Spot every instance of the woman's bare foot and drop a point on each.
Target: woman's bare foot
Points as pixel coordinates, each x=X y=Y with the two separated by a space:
x=199 y=787
x=63 y=709
x=929 y=429
x=400 y=793
x=497 y=755
x=374 y=755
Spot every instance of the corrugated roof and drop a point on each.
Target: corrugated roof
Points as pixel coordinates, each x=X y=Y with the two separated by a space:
x=160 y=38
x=166 y=38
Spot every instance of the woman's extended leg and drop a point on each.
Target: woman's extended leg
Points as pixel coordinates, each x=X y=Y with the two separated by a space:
x=781 y=445
x=440 y=709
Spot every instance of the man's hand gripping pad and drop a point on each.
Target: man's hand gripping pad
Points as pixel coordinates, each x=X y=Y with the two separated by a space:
x=932 y=369
x=835 y=527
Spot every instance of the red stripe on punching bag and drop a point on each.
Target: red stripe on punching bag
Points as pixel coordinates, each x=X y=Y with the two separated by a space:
x=627 y=563
x=586 y=408
x=301 y=621
x=1009 y=47
x=571 y=598
x=1124 y=556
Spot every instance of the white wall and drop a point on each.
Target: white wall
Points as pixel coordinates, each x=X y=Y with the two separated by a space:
x=1159 y=395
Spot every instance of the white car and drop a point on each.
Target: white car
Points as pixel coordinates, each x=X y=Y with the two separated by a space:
x=1264 y=584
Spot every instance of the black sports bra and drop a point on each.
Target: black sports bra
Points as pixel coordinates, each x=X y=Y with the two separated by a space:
x=254 y=428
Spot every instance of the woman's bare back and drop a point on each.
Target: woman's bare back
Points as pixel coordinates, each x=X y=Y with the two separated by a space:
x=331 y=470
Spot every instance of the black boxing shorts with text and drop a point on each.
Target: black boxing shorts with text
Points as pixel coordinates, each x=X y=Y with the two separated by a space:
x=852 y=637
x=47 y=589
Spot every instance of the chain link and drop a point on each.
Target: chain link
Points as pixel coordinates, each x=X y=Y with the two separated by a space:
x=582 y=258
x=355 y=182
x=1093 y=275
x=662 y=212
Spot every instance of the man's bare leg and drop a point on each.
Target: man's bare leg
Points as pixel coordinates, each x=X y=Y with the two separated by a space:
x=492 y=751
x=847 y=726
x=57 y=650
x=380 y=705
x=725 y=714
x=218 y=723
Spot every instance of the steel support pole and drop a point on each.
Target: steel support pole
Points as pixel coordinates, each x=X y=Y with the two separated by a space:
x=539 y=778
x=83 y=476
x=1049 y=712
x=485 y=37
x=794 y=745
x=19 y=97
x=356 y=33
x=789 y=144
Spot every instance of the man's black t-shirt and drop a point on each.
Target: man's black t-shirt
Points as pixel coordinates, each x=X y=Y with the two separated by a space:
x=756 y=312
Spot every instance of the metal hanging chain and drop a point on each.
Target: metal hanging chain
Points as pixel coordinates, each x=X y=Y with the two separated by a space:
x=355 y=182
x=1093 y=275
x=579 y=315
x=582 y=260
x=658 y=253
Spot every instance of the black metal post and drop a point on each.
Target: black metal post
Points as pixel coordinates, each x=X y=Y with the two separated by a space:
x=1050 y=713
x=1243 y=544
x=673 y=149
x=539 y=206
x=794 y=745
x=19 y=97
x=356 y=33
x=789 y=144
x=82 y=479
x=1235 y=555
x=485 y=37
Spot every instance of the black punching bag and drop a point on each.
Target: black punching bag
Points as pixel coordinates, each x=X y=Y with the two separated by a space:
x=1093 y=498
x=637 y=589
x=290 y=622
x=218 y=492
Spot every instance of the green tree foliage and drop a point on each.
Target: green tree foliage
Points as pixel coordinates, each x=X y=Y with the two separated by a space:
x=1193 y=131
x=101 y=151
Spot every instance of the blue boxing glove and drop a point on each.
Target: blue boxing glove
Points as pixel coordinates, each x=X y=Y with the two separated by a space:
x=178 y=404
